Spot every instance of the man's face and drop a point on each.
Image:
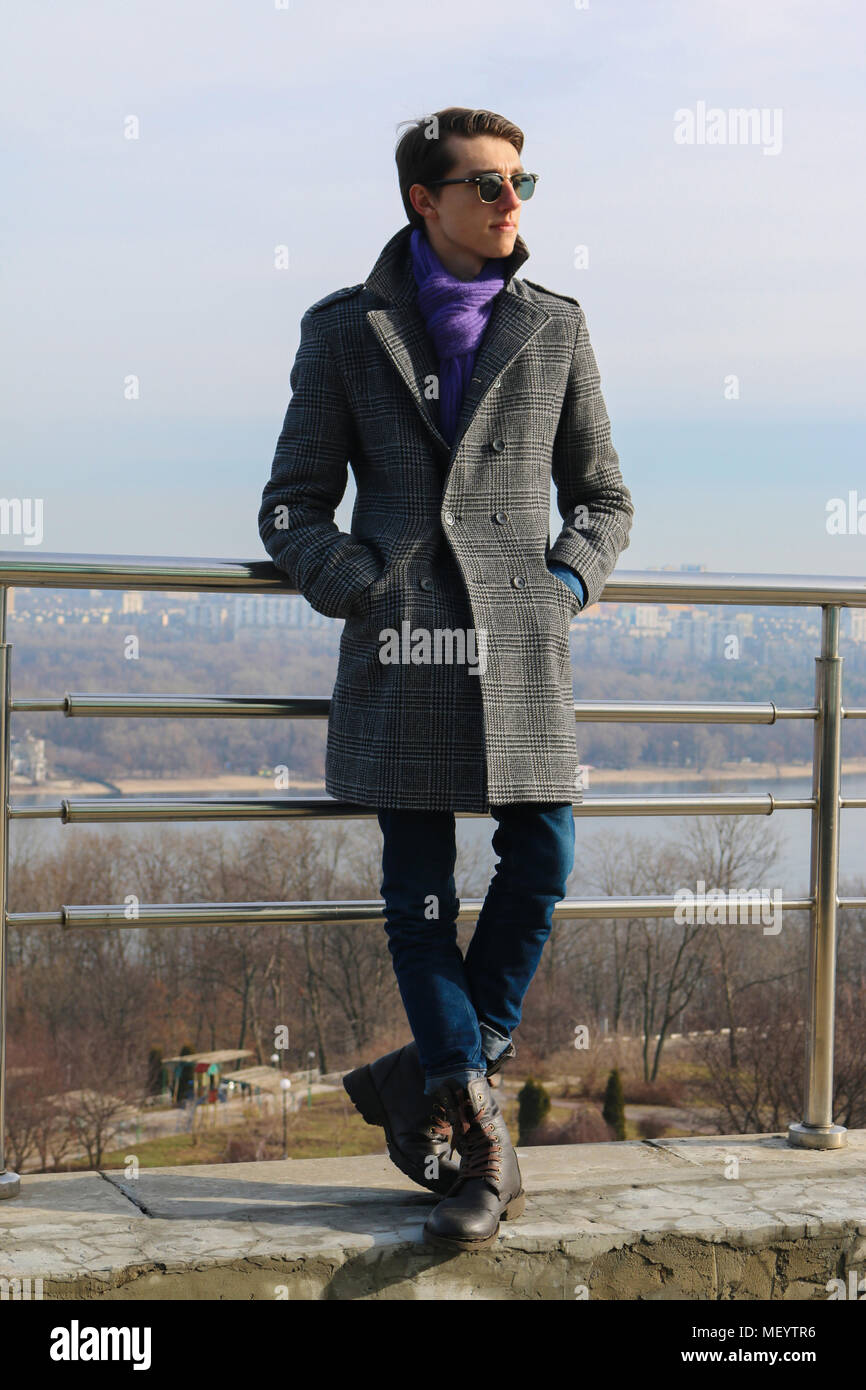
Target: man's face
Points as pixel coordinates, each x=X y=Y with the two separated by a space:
x=461 y=228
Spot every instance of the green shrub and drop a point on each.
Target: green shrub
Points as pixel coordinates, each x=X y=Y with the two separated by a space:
x=533 y=1103
x=614 y=1105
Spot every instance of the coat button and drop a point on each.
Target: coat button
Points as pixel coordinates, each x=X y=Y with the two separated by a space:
x=519 y=582
x=498 y=445
x=426 y=582
x=500 y=518
x=449 y=518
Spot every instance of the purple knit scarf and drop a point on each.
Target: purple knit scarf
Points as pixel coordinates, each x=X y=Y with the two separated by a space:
x=456 y=313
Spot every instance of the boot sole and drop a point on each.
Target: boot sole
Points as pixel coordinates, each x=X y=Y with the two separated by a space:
x=361 y=1090
x=515 y=1208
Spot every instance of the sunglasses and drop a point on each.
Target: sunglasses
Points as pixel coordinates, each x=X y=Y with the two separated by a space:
x=490 y=185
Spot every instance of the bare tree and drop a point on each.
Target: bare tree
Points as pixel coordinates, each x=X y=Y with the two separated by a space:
x=736 y=854
x=112 y=1084
x=764 y=1091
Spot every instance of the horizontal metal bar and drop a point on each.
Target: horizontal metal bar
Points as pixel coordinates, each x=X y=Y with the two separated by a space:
x=58 y=918
x=688 y=711
x=35 y=704
x=93 y=810
x=175 y=574
x=34 y=919
x=182 y=706
x=141 y=573
x=318 y=707
x=740 y=909
x=24 y=812
x=232 y=808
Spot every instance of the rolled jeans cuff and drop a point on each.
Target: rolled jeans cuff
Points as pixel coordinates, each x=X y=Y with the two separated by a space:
x=463 y=1076
x=493 y=1044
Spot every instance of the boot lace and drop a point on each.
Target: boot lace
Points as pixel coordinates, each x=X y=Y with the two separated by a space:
x=440 y=1126
x=481 y=1151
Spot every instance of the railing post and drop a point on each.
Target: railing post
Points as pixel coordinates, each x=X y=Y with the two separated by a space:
x=10 y=1183
x=817 y=1130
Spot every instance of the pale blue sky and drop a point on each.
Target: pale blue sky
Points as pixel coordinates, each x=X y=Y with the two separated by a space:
x=262 y=126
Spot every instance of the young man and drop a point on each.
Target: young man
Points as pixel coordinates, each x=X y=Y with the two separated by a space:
x=457 y=391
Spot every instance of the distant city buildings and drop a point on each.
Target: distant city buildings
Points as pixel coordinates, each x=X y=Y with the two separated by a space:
x=633 y=634
x=136 y=610
x=288 y=610
x=255 y=610
x=27 y=758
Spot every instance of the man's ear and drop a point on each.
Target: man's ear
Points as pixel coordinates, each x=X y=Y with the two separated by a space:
x=423 y=200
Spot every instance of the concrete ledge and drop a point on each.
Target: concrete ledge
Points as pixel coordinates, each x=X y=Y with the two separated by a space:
x=739 y=1217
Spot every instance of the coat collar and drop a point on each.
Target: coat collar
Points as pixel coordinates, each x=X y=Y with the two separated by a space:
x=402 y=332
x=393 y=277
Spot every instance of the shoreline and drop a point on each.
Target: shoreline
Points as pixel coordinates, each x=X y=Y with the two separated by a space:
x=238 y=785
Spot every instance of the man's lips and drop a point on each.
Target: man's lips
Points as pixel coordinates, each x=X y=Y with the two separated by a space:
x=504 y=226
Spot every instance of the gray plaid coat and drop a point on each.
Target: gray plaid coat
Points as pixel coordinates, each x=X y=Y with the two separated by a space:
x=454 y=686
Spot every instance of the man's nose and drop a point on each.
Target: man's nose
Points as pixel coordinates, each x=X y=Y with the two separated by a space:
x=509 y=194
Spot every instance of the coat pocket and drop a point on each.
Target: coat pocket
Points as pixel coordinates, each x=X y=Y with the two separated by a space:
x=361 y=603
x=408 y=595
x=564 y=592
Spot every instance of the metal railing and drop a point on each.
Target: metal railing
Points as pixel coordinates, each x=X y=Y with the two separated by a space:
x=816 y=1130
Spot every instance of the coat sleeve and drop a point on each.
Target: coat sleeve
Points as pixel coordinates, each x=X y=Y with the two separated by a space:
x=594 y=503
x=308 y=478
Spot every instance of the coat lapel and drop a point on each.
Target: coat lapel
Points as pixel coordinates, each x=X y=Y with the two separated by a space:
x=513 y=323
x=404 y=337
x=402 y=332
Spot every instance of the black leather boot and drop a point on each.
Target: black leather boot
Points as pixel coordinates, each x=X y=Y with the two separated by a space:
x=489 y=1187
x=390 y=1092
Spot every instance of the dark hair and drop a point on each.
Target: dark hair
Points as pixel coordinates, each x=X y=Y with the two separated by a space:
x=423 y=154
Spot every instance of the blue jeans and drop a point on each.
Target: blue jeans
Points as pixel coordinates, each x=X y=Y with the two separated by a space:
x=461 y=1011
